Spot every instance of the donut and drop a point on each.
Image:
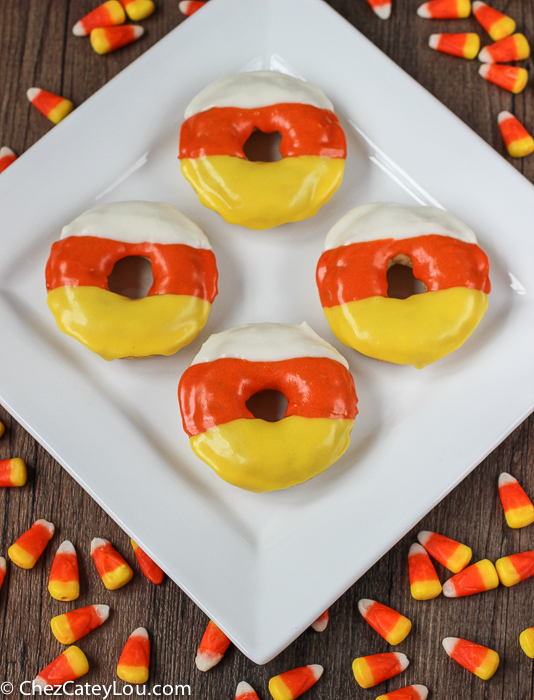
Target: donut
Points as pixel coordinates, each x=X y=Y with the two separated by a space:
x=113 y=326
x=258 y=195
x=252 y=453
x=444 y=255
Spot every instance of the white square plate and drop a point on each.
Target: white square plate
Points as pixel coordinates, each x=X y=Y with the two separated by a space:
x=264 y=566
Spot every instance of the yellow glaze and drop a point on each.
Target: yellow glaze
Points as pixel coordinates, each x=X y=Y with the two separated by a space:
x=279 y=689
x=414 y=331
x=21 y=557
x=64 y=590
x=77 y=660
x=260 y=456
x=117 y=578
x=526 y=639
x=132 y=674
x=263 y=195
x=114 y=326
x=61 y=630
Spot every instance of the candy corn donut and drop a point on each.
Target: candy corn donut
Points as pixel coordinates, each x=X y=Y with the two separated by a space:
x=251 y=453
x=177 y=305
x=353 y=285
x=258 y=195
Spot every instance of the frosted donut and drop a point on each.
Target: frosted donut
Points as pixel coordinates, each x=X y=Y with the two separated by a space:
x=258 y=195
x=178 y=303
x=255 y=454
x=353 y=287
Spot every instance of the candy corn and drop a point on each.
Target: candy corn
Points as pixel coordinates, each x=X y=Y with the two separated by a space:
x=2 y=570
x=381 y=8
x=12 y=472
x=54 y=107
x=189 y=7
x=372 y=670
x=518 y=508
x=64 y=582
x=411 y=692
x=515 y=568
x=526 y=639
x=69 y=666
x=513 y=48
x=519 y=144
x=445 y=9
x=477 y=578
x=508 y=77
x=321 y=623
x=481 y=661
x=451 y=554
x=107 y=39
x=138 y=9
x=495 y=23
x=6 y=158
x=106 y=15
x=29 y=546
x=135 y=658
x=4 y=152
x=213 y=646
x=113 y=570
x=292 y=684
x=389 y=624
x=74 y=625
x=424 y=581
x=150 y=569
x=245 y=692
x=464 y=45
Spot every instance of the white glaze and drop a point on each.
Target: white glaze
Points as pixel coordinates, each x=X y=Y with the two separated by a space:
x=267 y=342
x=257 y=89
x=138 y=222
x=376 y=222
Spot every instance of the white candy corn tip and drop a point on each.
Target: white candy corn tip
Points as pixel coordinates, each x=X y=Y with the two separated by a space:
x=49 y=526
x=138 y=30
x=422 y=690
x=449 y=591
x=243 y=687
x=505 y=478
x=66 y=548
x=102 y=611
x=433 y=40
x=78 y=29
x=423 y=11
x=97 y=542
x=477 y=5
x=320 y=624
x=364 y=605
x=483 y=70
x=402 y=659
x=383 y=11
x=316 y=670
x=2 y=565
x=5 y=151
x=449 y=643
x=416 y=549
x=485 y=56
x=425 y=535
x=31 y=95
x=207 y=660
x=39 y=682
x=140 y=632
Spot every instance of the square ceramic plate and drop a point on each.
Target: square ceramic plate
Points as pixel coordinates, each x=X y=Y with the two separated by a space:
x=265 y=566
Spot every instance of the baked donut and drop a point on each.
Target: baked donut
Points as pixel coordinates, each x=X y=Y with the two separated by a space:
x=252 y=453
x=258 y=195
x=178 y=303
x=353 y=286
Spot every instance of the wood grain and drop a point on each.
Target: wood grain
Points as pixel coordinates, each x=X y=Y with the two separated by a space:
x=37 y=48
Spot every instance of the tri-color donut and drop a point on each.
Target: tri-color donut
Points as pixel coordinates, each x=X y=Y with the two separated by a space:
x=259 y=195
x=177 y=305
x=444 y=255
x=252 y=453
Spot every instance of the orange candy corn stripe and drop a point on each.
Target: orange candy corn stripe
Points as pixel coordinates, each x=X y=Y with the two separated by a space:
x=106 y=15
x=465 y=45
x=494 y=22
x=64 y=582
x=445 y=9
x=54 y=107
x=477 y=578
x=518 y=508
x=372 y=670
x=389 y=624
x=513 y=48
x=508 y=77
x=111 y=566
x=29 y=546
x=107 y=39
x=481 y=661
x=69 y=666
x=3 y=570
x=74 y=625
x=515 y=568
x=138 y=9
x=321 y=623
x=411 y=692
x=526 y=639
x=135 y=658
x=6 y=158
x=381 y=8
x=150 y=569
x=451 y=554
x=424 y=581
x=245 y=692
x=13 y=472
x=213 y=646
x=292 y=684
x=189 y=7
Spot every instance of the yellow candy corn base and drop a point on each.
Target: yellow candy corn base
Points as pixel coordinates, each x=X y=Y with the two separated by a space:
x=117 y=578
x=139 y=9
x=114 y=326
x=132 y=674
x=64 y=590
x=520 y=517
x=414 y=331
x=260 y=456
x=279 y=689
x=19 y=473
x=77 y=660
x=362 y=673
x=425 y=590
x=264 y=195
x=399 y=633
x=20 y=557
x=61 y=111
x=487 y=669
x=526 y=639
x=61 y=630
x=502 y=28
x=521 y=147
x=507 y=573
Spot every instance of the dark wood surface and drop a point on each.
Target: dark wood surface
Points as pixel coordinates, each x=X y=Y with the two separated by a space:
x=37 y=48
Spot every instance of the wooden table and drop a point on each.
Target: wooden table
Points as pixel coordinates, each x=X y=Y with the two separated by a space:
x=37 y=48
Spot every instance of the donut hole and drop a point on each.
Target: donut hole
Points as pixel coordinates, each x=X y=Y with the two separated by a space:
x=269 y=405
x=263 y=148
x=402 y=283
x=131 y=277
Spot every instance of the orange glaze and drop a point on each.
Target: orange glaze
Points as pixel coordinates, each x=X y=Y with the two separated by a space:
x=306 y=131
x=359 y=270
x=212 y=393
x=87 y=261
